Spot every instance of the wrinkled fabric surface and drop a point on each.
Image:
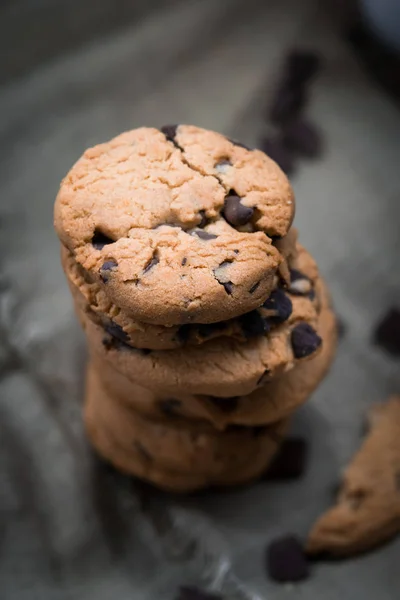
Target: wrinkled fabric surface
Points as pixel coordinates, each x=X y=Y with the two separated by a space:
x=69 y=526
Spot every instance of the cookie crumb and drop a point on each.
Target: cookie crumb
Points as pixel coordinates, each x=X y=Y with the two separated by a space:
x=367 y=512
x=290 y=462
x=286 y=560
x=387 y=332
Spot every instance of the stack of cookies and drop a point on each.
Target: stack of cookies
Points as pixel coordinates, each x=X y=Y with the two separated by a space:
x=206 y=320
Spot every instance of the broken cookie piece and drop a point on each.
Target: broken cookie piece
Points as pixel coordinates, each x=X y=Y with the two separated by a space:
x=367 y=512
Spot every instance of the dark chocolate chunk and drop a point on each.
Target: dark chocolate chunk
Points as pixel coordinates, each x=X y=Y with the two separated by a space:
x=302 y=66
x=183 y=333
x=341 y=327
x=303 y=137
x=300 y=284
x=276 y=149
x=170 y=406
x=184 y=261
x=143 y=451
x=236 y=143
x=286 y=560
x=253 y=324
x=257 y=430
x=193 y=593
x=290 y=461
x=99 y=240
x=203 y=219
x=254 y=287
x=281 y=304
x=152 y=263
x=235 y=212
x=225 y=404
x=169 y=131
x=228 y=285
x=387 y=332
x=264 y=378
x=287 y=104
x=205 y=330
x=305 y=340
x=203 y=235
x=144 y=351
x=117 y=332
x=109 y=265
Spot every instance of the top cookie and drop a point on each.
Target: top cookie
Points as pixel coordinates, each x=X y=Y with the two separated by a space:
x=181 y=219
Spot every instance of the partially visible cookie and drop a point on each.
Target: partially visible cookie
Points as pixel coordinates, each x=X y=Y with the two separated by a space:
x=367 y=512
x=281 y=306
x=198 y=453
x=270 y=403
x=183 y=236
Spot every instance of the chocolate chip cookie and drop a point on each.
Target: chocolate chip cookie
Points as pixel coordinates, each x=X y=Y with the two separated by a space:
x=178 y=455
x=268 y=404
x=91 y=298
x=367 y=512
x=177 y=225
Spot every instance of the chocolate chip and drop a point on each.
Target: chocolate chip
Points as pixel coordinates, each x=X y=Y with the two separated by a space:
x=300 y=284
x=203 y=235
x=253 y=324
x=341 y=327
x=236 y=251
x=117 y=332
x=290 y=461
x=112 y=343
x=258 y=430
x=303 y=137
x=169 y=131
x=286 y=560
x=287 y=104
x=228 y=285
x=312 y=295
x=254 y=287
x=183 y=333
x=99 y=240
x=170 y=406
x=206 y=330
x=305 y=340
x=387 y=332
x=235 y=212
x=222 y=166
x=144 y=351
x=280 y=305
x=109 y=265
x=193 y=593
x=276 y=149
x=143 y=451
x=302 y=66
x=264 y=377
x=203 y=219
x=225 y=404
x=184 y=261
x=152 y=263
x=236 y=143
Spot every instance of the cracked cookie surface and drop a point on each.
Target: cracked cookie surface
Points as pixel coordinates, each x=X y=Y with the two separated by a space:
x=173 y=232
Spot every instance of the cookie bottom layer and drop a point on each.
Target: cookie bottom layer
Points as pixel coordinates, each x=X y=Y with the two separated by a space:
x=176 y=457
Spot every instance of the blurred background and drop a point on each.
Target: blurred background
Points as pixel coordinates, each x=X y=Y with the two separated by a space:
x=77 y=72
